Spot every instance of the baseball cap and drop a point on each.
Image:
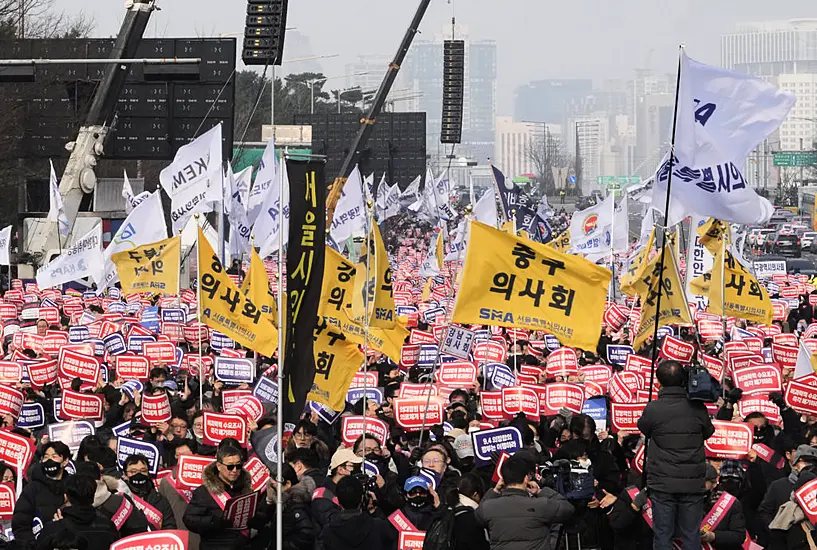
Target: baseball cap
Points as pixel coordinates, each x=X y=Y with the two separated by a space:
x=711 y=472
x=455 y=433
x=805 y=452
x=464 y=446
x=342 y=456
x=415 y=482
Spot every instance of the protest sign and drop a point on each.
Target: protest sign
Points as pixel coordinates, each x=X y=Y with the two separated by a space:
x=78 y=406
x=169 y=539
x=352 y=427
x=156 y=409
x=231 y=370
x=71 y=433
x=126 y=447
x=221 y=426
x=730 y=440
x=487 y=442
x=412 y=413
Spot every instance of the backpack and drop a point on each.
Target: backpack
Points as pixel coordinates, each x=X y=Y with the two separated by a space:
x=577 y=483
x=440 y=534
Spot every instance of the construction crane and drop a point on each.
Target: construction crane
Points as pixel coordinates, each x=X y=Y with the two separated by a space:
x=79 y=177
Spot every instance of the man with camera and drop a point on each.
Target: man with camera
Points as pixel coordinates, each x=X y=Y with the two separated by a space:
x=676 y=428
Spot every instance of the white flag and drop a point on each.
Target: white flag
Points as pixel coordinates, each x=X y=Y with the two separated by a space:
x=442 y=197
x=350 y=214
x=131 y=202
x=412 y=192
x=804 y=365
x=430 y=267
x=391 y=205
x=722 y=116
x=596 y=230
x=265 y=180
x=193 y=179
x=82 y=259
x=237 y=214
x=56 y=209
x=266 y=225
x=5 y=245
x=145 y=225
x=382 y=190
x=485 y=209
x=454 y=250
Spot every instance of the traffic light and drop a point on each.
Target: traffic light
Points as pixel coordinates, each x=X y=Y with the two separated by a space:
x=453 y=82
x=264 y=33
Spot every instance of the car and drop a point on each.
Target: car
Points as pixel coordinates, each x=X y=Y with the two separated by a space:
x=801 y=265
x=807 y=239
x=762 y=237
x=751 y=239
x=785 y=244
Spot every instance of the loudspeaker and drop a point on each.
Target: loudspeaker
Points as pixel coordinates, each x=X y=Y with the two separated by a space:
x=453 y=84
x=264 y=32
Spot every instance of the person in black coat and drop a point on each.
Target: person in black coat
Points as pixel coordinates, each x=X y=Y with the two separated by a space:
x=43 y=495
x=676 y=429
x=80 y=518
x=223 y=480
x=156 y=508
x=468 y=534
x=354 y=529
x=298 y=527
x=630 y=530
x=730 y=532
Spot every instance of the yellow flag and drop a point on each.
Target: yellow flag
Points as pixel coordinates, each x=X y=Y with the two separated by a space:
x=225 y=309
x=700 y=285
x=378 y=288
x=507 y=227
x=711 y=233
x=561 y=243
x=336 y=362
x=513 y=282
x=438 y=249
x=152 y=267
x=734 y=292
x=426 y=294
x=637 y=266
x=674 y=307
x=256 y=287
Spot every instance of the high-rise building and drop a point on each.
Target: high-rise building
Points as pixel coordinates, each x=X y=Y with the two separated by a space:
x=591 y=149
x=799 y=131
x=550 y=100
x=423 y=73
x=771 y=48
x=513 y=144
x=654 y=115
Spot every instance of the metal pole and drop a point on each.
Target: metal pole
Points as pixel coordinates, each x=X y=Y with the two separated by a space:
x=272 y=109
x=282 y=390
x=95 y=61
x=312 y=97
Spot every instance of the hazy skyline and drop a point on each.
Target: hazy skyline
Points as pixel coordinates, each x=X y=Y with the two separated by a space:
x=536 y=39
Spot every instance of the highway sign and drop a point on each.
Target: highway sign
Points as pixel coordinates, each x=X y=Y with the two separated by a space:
x=795 y=158
x=617 y=181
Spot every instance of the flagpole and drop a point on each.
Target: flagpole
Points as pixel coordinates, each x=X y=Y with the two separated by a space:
x=221 y=220
x=612 y=289
x=283 y=392
x=661 y=262
x=198 y=316
x=498 y=192
x=366 y=318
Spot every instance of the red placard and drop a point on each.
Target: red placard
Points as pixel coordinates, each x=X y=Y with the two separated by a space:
x=492 y=405
x=801 y=397
x=351 y=428
x=619 y=391
x=785 y=355
x=42 y=373
x=409 y=412
x=592 y=389
x=600 y=374
x=785 y=339
x=742 y=359
x=11 y=372
x=230 y=397
x=259 y=473
x=759 y=403
x=736 y=345
x=409 y=389
x=364 y=380
x=159 y=352
x=73 y=364
x=677 y=350
x=174 y=331
x=7 y=501
x=460 y=374
x=221 y=426
x=758 y=379
x=421 y=337
x=714 y=365
x=561 y=395
x=169 y=539
x=710 y=330
x=11 y=401
x=730 y=440
x=8 y=311
x=16 y=450
x=624 y=416
x=753 y=344
x=80 y=406
x=806 y=497
x=132 y=367
x=53 y=342
x=409 y=355
x=489 y=351
x=191 y=469
x=615 y=317
x=637 y=363
x=519 y=399
x=411 y=540
x=156 y=409
x=50 y=314
x=562 y=362
x=249 y=406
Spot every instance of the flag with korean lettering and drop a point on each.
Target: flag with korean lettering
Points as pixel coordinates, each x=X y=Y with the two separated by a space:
x=152 y=268
x=721 y=117
x=674 y=306
x=734 y=291
x=255 y=286
x=374 y=292
x=637 y=264
x=561 y=243
x=305 y=262
x=337 y=359
x=513 y=282
x=225 y=309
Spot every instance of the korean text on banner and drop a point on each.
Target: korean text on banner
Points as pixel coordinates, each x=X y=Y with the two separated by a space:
x=529 y=285
x=336 y=361
x=152 y=267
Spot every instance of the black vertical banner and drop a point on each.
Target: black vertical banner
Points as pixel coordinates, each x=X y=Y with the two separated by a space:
x=305 y=259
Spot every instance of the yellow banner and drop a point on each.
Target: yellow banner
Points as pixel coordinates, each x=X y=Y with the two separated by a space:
x=561 y=243
x=226 y=309
x=513 y=282
x=637 y=266
x=438 y=249
x=674 y=307
x=711 y=233
x=152 y=267
x=377 y=292
x=336 y=362
x=734 y=292
x=256 y=287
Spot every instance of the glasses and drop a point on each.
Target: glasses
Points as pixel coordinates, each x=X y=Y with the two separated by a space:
x=231 y=467
x=301 y=435
x=432 y=461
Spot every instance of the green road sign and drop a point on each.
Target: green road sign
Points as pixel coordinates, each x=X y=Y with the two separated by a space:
x=617 y=182
x=795 y=158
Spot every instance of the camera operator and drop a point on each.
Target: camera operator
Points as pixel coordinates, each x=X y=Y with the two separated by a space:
x=324 y=502
x=676 y=429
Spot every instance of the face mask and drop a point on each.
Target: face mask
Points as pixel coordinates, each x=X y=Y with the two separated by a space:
x=51 y=467
x=139 y=481
x=375 y=458
x=585 y=462
x=416 y=501
x=794 y=475
x=472 y=429
x=731 y=486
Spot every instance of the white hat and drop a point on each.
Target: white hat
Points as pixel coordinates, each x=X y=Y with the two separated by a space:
x=464 y=446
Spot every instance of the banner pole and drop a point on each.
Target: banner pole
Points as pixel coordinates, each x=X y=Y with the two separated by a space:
x=612 y=290
x=198 y=317
x=366 y=318
x=282 y=391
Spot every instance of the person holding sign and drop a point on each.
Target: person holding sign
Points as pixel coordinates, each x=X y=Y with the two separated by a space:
x=156 y=508
x=225 y=479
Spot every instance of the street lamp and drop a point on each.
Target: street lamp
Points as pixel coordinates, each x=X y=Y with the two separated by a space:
x=272 y=93
x=311 y=83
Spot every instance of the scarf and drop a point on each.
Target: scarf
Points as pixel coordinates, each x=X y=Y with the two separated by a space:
x=465 y=501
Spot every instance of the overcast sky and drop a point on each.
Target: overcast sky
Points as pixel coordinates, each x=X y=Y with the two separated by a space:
x=536 y=39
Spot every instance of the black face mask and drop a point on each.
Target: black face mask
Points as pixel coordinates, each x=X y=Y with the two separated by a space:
x=52 y=467
x=139 y=482
x=417 y=501
x=377 y=460
x=731 y=486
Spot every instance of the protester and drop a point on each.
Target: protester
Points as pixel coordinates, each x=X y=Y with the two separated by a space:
x=156 y=508
x=676 y=429
x=353 y=528
x=298 y=528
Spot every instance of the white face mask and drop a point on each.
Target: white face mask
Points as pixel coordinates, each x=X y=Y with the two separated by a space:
x=472 y=429
x=585 y=462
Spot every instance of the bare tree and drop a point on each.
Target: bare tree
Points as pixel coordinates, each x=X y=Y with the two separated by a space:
x=547 y=152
